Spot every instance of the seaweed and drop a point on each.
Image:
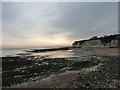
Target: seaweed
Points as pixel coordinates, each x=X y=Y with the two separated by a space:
x=83 y=64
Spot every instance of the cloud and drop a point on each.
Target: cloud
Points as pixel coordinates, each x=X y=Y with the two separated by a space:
x=81 y=17
x=56 y=23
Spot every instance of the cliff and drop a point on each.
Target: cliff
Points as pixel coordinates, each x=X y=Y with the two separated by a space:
x=106 y=41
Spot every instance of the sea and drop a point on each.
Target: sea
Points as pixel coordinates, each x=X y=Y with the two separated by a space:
x=54 y=54
x=12 y=51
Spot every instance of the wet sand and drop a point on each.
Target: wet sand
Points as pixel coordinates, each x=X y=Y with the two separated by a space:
x=56 y=81
x=61 y=80
x=107 y=51
x=52 y=81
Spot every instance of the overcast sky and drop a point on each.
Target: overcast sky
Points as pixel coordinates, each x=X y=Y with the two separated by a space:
x=30 y=24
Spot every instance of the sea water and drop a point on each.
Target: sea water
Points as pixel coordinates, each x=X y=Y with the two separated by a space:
x=12 y=51
x=53 y=54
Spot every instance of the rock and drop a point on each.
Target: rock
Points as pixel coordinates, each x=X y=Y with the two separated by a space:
x=106 y=41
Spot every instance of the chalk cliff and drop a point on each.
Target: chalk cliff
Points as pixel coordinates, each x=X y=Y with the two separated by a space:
x=106 y=41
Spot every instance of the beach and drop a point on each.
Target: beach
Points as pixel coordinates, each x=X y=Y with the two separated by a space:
x=80 y=68
x=57 y=45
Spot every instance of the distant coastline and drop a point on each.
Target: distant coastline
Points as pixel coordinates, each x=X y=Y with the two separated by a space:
x=39 y=65
x=106 y=41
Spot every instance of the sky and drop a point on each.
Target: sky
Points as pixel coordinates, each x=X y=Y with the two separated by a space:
x=44 y=24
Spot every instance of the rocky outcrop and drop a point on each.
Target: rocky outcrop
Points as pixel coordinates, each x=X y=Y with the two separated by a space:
x=106 y=41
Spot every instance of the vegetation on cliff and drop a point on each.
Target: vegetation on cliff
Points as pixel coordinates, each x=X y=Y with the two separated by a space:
x=104 y=40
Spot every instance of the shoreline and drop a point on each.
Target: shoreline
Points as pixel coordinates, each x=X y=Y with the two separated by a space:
x=103 y=50
x=57 y=81
x=48 y=50
x=96 y=55
x=106 y=76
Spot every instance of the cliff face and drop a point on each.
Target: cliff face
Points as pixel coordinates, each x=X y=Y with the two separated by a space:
x=106 y=41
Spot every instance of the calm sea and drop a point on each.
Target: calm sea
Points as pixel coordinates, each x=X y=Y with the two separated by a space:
x=55 y=54
x=12 y=51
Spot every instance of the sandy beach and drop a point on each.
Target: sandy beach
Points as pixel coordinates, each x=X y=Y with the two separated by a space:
x=107 y=51
x=54 y=44
x=107 y=59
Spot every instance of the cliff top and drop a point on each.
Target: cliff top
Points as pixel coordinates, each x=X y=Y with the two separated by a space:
x=104 y=39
